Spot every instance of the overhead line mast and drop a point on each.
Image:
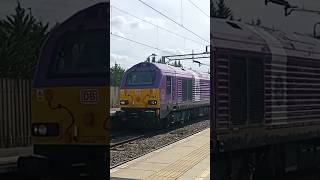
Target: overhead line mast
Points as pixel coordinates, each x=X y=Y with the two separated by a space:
x=288 y=8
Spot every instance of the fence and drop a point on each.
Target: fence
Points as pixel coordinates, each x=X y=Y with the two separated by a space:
x=15 y=112
x=114 y=97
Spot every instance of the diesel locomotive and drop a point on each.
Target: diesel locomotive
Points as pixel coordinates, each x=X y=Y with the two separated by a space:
x=265 y=101
x=70 y=100
x=155 y=95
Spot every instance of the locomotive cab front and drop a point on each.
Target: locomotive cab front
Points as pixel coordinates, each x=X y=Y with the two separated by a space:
x=140 y=95
x=69 y=100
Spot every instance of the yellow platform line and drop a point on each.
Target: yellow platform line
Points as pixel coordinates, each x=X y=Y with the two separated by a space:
x=181 y=166
x=204 y=174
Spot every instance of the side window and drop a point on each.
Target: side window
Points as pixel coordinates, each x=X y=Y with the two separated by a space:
x=184 y=90
x=190 y=90
x=246 y=90
x=168 y=85
x=187 y=89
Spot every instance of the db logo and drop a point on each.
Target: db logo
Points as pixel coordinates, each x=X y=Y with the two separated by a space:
x=89 y=96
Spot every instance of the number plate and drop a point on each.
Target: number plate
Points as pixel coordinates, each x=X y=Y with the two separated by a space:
x=40 y=95
x=89 y=96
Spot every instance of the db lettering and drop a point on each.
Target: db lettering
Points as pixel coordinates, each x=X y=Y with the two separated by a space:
x=90 y=96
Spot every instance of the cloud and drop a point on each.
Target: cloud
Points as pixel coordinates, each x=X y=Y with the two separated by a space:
x=169 y=51
x=116 y=58
x=121 y=22
x=135 y=24
x=118 y=21
x=118 y=33
x=156 y=21
x=123 y=60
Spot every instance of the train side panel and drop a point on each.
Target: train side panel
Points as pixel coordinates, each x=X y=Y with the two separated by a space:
x=79 y=120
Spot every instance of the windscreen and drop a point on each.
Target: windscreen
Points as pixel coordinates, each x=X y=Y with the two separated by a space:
x=140 y=78
x=80 y=54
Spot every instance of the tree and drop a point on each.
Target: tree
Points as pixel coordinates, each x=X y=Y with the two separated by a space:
x=220 y=10
x=116 y=74
x=256 y=22
x=21 y=36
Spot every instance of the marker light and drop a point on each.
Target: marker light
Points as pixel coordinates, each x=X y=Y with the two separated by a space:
x=152 y=102
x=124 y=102
x=45 y=129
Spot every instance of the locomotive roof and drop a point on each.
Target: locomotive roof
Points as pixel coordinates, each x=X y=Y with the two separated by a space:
x=168 y=69
x=90 y=18
x=242 y=36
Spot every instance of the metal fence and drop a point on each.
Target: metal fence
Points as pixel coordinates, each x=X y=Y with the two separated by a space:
x=15 y=112
x=114 y=97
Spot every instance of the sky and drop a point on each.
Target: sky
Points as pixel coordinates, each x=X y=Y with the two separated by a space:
x=127 y=53
x=273 y=15
x=52 y=11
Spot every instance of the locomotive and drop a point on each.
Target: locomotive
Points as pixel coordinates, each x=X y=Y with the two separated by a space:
x=265 y=101
x=70 y=95
x=155 y=95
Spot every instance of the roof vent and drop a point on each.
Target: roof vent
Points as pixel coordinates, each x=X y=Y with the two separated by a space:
x=234 y=25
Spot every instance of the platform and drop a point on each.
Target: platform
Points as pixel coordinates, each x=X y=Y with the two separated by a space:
x=186 y=159
x=9 y=157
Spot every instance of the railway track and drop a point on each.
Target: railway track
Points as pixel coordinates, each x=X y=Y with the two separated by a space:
x=126 y=140
x=133 y=147
x=8 y=167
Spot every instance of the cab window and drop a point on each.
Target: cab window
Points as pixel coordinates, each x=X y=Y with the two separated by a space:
x=140 y=78
x=80 y=54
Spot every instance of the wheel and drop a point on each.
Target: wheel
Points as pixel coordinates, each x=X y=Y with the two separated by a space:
x=187 y=117
x=165 y=123
x=157 y=124
x=183 y=116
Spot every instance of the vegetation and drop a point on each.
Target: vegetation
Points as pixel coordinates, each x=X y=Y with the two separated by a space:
x=219 y=9
x=21 y=36
x=256 y=22
x=116 y=74
x=177 y=64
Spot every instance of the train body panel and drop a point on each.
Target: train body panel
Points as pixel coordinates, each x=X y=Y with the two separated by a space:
x=70 y=100
x=266 y=85
x=70 y=88
x=81 y=119
x=265 y=101
x=140 y=98
x=178 y=89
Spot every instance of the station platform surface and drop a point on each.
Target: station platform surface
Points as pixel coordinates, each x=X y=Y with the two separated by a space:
x=9 y=157
x=186 y=159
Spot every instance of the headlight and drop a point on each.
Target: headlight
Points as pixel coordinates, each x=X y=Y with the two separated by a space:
x=152 y=102
x=42 y=130
x=124 y=102
x=45 y=129
x=35 y=130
